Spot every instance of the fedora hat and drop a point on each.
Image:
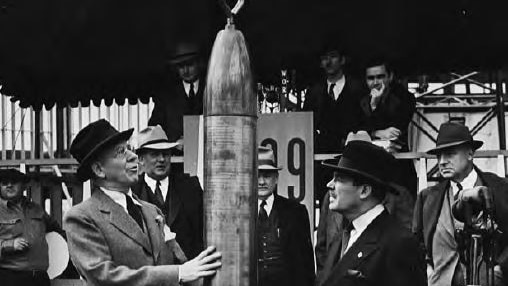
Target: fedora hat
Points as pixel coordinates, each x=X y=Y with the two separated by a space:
x=13 y=175
x=365 y=160
x=183 y=51
x=91 y=140
x=453 y=134
x=266 y=159
x=154 y=138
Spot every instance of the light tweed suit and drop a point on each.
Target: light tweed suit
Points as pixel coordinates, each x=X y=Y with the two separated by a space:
x=108 y=248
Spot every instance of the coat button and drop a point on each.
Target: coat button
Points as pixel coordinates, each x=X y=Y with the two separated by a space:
x=360 y=254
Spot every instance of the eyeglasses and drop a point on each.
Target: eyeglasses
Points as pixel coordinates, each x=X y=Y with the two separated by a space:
x=121 y=151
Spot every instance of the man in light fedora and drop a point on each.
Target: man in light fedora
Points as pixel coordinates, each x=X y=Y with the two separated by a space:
x=374 y=248
x=285 y=254
x=184 y=95
x=114 y=238
x=436 y=227
x=179 y=196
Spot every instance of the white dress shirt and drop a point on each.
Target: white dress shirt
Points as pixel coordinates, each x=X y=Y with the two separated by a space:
x=119 y=198
x=153 y=184
x=339 y=86
x=362 y=222
x=467 y=183
x=186 y=86
x=269 y=204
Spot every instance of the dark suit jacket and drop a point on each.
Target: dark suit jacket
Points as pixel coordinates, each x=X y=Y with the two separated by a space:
x=295 y=239
x=430 y=201
x=334 y=119
x=108 y=248
x=384 y=254
x=171 y=104
x=183 y=210
x=395 y=110
x=330 y=223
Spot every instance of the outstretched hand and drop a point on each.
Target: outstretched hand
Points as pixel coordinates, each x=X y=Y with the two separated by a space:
x=205 y=264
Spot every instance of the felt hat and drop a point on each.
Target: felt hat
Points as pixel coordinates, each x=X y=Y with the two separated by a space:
x=154 y=138
x=13 y=175
x=91 y=140
x=453 y=134
x=266 y=159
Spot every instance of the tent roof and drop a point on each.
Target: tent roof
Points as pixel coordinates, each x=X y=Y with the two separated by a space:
x=65 y=51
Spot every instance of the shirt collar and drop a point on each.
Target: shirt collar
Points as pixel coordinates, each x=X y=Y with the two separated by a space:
x=269 y=204
x=468 y=182
x=340 y=81
x=152 y=183
x=362 y=222
x=186 y=86
x=119 y=197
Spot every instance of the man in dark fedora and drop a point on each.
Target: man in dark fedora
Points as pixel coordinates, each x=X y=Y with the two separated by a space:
x=179 y=196
x=24 y=256
x=184 y=95
x=374 y=248
x=330 y=227
x=285 y=254
x=434 y=223
x=115 y=238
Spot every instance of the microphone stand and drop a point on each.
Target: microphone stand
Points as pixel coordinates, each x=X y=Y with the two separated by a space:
x=479 y=245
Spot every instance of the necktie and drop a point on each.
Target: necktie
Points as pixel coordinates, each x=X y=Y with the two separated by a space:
x=192 y=94
x=263 y=215
x=346 y=235
x=134 y=211
x=456 y=196
x=158 y=193
x=330 y=91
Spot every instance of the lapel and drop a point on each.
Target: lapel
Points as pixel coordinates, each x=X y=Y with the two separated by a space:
x=432 y=209
x=154 y=230
x=120 y=219
x=360 y=251
x=173 y=200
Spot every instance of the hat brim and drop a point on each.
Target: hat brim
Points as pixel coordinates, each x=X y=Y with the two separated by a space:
x=476 y=144
x=269 y=168
x=15 y=176
x=183 y=58
x=159 y=146
x=84 y=172
x=333 y=163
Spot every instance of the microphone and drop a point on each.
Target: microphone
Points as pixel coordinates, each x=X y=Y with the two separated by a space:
x=462 y=210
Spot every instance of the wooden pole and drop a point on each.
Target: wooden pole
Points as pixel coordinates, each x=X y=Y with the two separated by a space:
x=230 y=172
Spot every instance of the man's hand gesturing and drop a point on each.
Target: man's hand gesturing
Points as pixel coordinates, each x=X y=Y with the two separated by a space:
x=205 y=264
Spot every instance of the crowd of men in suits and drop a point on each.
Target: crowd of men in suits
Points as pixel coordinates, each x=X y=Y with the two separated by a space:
x=143 y=224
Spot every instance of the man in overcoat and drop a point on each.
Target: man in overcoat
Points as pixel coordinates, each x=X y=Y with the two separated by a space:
x=114 y=238
x=434 y=222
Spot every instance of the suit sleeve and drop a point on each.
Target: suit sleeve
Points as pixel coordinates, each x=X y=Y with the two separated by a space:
x=303 y=256
x=405 y=264
x=321 y=241
x=90 y=254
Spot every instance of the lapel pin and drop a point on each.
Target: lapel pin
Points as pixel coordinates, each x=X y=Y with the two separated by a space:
x=360 y=254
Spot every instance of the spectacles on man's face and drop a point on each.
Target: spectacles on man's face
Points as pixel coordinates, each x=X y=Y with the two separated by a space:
x=120 y=151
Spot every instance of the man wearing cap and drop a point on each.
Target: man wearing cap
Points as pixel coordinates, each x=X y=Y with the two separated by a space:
x=114 y=238
x=23 y=226
x=183 y=96
x=374 y=249
x=179 y=196
x=434 y=222
x=285 y=254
